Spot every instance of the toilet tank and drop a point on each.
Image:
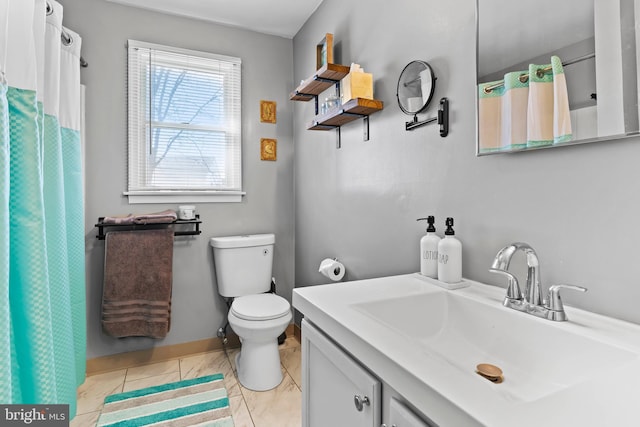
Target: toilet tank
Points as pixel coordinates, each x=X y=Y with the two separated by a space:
x=243 y=263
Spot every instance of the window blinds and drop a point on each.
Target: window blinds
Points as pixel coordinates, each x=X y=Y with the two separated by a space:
x=184 y=120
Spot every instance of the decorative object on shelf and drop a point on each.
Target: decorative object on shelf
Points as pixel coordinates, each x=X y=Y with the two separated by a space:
x=267 y=111
x=324 y=51
x=186 y=212
x=356 y=84
x=416 y=86
x=268 y=149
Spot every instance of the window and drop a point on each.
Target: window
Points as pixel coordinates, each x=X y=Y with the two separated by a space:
x=184 y=125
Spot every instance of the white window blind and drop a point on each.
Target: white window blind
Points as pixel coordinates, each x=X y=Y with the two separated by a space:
x=184 y=122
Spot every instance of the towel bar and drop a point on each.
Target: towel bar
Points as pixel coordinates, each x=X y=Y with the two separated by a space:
x=127 y=227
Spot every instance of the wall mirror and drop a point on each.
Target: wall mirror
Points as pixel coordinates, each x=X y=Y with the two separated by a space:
x=597 y=44
x=415 y=87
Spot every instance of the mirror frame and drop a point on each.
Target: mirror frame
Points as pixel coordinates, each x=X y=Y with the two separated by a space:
x=402 y=81
x=612 y=137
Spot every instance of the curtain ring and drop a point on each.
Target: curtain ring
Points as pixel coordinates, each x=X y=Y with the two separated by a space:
x=66 y=38
x=49 y=8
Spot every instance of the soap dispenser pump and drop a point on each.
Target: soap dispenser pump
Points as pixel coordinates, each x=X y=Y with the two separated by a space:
x=429 y=249
x=449 y=256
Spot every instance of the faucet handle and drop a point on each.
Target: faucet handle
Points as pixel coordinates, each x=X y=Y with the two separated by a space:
x=513 y=288
x=555 y=302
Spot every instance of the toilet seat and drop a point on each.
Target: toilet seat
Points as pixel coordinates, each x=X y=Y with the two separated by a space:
x=260 y=307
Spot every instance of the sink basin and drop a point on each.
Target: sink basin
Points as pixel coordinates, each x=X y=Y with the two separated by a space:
x=538 y=357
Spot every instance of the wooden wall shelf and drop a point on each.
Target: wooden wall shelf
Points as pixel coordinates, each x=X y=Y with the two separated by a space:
x=358 y=108
x=352 y=110
x=321 y=80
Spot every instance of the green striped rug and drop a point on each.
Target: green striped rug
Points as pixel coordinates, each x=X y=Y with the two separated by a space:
x=197 y=402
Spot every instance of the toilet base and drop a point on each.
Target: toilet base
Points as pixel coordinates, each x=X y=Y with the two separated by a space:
x=258 y=365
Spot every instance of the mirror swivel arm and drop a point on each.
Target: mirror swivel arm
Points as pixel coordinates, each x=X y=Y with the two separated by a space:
x=442 y=118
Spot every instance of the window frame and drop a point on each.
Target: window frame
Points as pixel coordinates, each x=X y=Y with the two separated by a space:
x=138 y=143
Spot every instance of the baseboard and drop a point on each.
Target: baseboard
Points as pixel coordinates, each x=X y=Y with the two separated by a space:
x=157 y=354
x=130 y=359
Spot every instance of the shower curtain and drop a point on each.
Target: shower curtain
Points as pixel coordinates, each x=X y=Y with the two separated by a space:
x=42 y=295
x=526 y=109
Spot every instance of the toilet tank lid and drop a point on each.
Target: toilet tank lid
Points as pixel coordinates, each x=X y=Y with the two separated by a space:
x=243 y=241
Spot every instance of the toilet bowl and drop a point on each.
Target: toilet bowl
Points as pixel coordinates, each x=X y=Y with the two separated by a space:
x=243 y=274
x=258 y=320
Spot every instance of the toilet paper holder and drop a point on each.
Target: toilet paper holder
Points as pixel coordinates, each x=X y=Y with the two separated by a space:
x=332 y=269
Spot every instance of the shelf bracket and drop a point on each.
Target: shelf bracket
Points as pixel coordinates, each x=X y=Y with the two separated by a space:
x=365 y=125
x=442 y=118
x=338 y=138
x=325 y=80
x=306 y=95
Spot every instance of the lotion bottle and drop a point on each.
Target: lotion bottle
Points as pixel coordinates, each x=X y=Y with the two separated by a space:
x=449 y=256
x=429 y=250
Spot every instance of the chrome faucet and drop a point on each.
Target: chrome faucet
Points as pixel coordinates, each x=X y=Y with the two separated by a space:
x=532 y=301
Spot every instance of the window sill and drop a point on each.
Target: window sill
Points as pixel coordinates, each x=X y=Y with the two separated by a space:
x=138 y=197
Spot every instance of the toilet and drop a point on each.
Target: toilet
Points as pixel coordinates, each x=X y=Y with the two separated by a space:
x=243 y=271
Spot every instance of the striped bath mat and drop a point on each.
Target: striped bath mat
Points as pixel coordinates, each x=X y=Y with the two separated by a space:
x=197 y=402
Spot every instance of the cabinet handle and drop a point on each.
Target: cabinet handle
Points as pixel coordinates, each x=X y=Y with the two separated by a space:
x=360 y=402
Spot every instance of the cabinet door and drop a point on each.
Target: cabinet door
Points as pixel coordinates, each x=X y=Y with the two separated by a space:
x=401 y=416
x=336 y=390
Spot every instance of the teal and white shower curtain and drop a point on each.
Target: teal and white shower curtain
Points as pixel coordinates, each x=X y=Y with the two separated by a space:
x=42 y=279
x=526 y=109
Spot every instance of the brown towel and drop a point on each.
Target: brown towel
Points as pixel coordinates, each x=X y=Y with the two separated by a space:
x=136 y=297
x=164 y=216
x=152 y=218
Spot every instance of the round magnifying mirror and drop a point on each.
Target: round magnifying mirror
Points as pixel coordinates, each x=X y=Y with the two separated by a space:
x=415 y=87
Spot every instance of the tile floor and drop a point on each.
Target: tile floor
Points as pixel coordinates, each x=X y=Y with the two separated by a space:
x=280 y=407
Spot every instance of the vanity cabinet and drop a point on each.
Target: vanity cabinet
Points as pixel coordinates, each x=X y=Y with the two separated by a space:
x=401 y=416
x=338 y=391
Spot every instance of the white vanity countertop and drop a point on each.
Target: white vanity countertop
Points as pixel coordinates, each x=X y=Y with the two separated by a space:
x=608 y=395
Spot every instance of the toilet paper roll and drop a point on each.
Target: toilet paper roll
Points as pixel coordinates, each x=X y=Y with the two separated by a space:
x=332 y=268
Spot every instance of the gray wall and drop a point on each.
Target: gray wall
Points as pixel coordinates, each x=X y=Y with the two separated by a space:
x=577 y=206
x=267 y=68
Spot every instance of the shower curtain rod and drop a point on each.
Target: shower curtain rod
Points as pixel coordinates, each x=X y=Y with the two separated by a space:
x=541 y=71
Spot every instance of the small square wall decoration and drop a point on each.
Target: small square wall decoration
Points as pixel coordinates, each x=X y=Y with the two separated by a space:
x=267 y=111
x=268 y=149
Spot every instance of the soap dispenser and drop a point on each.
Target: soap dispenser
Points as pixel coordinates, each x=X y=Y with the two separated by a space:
x=449 y=256
x=429 y=250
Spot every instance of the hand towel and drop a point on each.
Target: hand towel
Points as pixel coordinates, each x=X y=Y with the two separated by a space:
x=168 y=215
x=561 y=114
x=158 y=217
x=514 y=111
x=137 y=283
x=128 y=219
x=490 y=117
